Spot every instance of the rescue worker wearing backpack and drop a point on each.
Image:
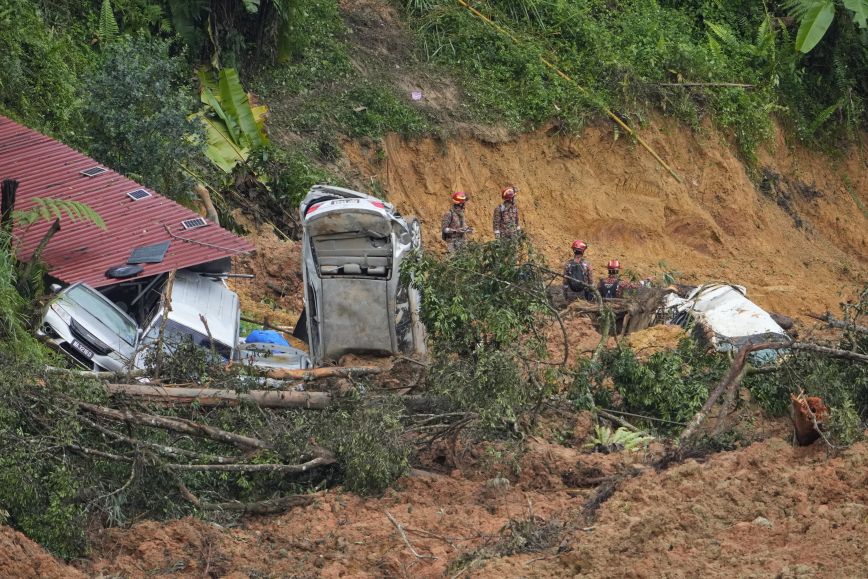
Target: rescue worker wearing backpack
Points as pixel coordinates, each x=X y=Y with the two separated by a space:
x=453 y=229
x=613 y=286
x=576 y=273
x=505 y=221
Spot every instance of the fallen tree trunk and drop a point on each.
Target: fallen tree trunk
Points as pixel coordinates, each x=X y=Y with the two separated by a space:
x=737 y=371
x=317 y=373
x=179 y=425
x=215 y=397
x=731 y=379
x=281 y=468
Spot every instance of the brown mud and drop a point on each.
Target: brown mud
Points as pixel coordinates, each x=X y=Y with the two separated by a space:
x=765 y=510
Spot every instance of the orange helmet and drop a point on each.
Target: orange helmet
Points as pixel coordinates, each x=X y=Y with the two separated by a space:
x=613 y=264
x=459 y=197
x=580 y=246
x=508 y=194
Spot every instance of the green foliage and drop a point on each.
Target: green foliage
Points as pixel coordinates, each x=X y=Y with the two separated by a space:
x=815 y=17
x=486 y=382
x=13 y=331
x=322 y=94
x=42 y=491
x=484 y=308
x=108 y=26
x=771 y=394
x=47 y=209
x=137 y=106
x=183 y=362
x=605 y=440
x=671 y=385
x=627 y=55
x=41 y=65
x=487 y=294
x=289 y=174
x=842 y=384
x=367 y=439
x=844 y=425
x=228 y=32
x=233 y=128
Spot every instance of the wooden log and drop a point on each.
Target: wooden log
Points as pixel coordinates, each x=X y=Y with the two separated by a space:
x=215 y=397
x=318 y=373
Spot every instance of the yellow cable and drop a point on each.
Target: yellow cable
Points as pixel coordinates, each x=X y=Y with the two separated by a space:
x=581 y=89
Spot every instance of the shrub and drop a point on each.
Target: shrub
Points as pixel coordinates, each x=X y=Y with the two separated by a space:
x=41 y=65
x=367 y=439
x=486 y=337
x=671 y=385
x=137 y=105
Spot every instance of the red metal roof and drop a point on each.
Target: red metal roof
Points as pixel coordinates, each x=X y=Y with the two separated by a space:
x=81 y=251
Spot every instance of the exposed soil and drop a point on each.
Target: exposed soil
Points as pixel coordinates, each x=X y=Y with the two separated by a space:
x=276 y=292
x=21 y=557
x=717 y=225
x=766 y=510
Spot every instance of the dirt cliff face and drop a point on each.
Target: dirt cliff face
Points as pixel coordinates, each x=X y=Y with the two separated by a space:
x=796 y=235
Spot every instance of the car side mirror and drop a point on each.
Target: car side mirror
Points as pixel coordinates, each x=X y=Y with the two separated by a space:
x=54 y=288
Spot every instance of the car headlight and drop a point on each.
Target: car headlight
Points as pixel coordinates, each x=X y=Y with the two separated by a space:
x=62 y=313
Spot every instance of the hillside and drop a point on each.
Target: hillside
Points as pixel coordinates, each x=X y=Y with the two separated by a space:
x=793 y=228
x=530 y=442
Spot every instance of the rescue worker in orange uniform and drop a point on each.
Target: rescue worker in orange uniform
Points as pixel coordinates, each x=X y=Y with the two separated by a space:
x=613 y=286
x=453 y=228
x=578 y=277
x=505 y=221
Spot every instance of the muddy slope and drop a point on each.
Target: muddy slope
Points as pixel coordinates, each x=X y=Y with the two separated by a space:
x=798 y=239
x=767 y=510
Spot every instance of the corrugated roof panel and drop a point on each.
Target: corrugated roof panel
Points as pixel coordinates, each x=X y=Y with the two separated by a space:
x=81 y=251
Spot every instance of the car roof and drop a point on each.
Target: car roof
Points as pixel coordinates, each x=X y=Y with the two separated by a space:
x=194 y=294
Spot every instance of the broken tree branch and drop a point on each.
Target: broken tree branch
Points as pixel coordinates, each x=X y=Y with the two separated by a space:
x=317 y=373
x=831 y=352
x=179 y=425
x=161 y=448
x=708 y=84
x=269 y=507
x=731 y=379
x=281 y=468
x=216 y=397
x=406 y=540
x=841 y=324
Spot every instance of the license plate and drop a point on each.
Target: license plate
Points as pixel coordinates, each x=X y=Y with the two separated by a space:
x=83 y=349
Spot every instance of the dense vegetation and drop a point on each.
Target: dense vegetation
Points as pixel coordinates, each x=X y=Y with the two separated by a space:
x=630 y=56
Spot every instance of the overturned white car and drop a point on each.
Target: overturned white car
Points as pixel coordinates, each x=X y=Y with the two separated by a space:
x=727 y=317
x=355 y=302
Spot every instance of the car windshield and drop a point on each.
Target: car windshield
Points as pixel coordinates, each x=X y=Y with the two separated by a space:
x=101 y=309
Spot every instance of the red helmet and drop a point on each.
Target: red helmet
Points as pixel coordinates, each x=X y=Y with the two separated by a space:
x=580 y=246
x=509 y=193
x=613 y=264
x=459 y=197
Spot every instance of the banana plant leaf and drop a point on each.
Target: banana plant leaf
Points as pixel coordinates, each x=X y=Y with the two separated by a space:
x=236 y=104
x=815 y=23
x=232 y=127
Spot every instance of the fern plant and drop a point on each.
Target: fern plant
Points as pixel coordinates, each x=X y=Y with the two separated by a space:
x=46 y=209
x=605 y=440
x=108 y=26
